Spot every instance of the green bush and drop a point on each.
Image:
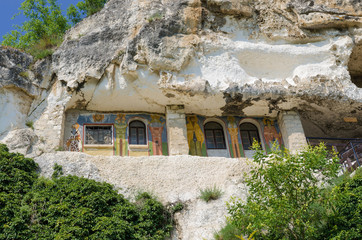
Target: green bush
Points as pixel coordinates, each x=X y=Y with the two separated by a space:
x=229 y=232
x=71 y=207
x=285 y=194
x=45 y=25
x=345 y=209
x=209 y=193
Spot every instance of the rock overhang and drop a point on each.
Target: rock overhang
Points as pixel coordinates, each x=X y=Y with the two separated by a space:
x=252 y=58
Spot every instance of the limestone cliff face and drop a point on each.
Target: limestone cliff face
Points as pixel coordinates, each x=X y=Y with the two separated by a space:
x=243 y=57
x=215 y=57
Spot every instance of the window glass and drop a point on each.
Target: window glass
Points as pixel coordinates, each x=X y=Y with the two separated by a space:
x=137 y=133
x=249 y=133
x=248 y=126
x=98 y=135
x=210 y=143
x=133 y=135
x=214 y=136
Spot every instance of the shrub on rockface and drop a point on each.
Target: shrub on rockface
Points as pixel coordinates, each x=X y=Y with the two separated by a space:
x=286 y=199
x=17 y=176
x=345 y=209
x=45 y=25
x=71 y=207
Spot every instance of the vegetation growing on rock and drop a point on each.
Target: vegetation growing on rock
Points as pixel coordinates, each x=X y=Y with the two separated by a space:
x=46 y=24
x=288 y=201
x=210 y=193
x=32 y=207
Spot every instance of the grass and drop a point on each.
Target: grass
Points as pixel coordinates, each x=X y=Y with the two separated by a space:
x=24 y=75
x=177 y=207
x=154 y=17
x=45 y=47
x=30 y=124
x=231 y=232
x=210 y=193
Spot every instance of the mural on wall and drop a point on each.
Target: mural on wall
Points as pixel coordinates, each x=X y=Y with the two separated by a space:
x=98 y=117
x=73 y=143
x=195 y=136
x=233 y=131
x=112 y=134
x=155 y=128
x=271 y=134
x=120 y=125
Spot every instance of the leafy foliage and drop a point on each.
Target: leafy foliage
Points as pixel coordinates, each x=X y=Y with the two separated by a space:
x=71 y=207
x=285 y=200
x=45 y=21
x=229 y=232
x=73 y=14
x=46 y=24
x=58 y=171
x=345 y=215
x=90 y=7
x=177 y=207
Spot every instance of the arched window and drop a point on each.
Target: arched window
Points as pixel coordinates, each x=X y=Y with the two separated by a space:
x=249 y=132
x=137 y=133
x=214 y=136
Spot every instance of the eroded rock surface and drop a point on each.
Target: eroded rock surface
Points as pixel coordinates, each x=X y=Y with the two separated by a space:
x=171 y=179
x=245 y=57
x=215 y=57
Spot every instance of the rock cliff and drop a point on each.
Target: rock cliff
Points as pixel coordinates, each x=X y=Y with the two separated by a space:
x=215 y=57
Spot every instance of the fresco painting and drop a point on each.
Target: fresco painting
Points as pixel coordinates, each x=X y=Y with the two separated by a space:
x=195 y=134
x=157 y=134
x=74 y=142
x=121 y=128
x=233 y=131
x=155 y=127
x=271 y=134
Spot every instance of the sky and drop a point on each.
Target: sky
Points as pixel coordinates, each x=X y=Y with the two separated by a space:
x=8 y=8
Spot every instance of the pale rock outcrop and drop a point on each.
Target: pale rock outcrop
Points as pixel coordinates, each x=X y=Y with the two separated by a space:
x=245 y=57
x=172 y=179
x=215 y=57
x=252 y=58
x=21 y=140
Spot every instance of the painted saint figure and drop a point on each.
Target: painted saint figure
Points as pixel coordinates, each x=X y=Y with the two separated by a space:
x=156 y=128
x=233 y=131
x=270 y=133
x=195 y=136
x=74 y=140
x=121 y=128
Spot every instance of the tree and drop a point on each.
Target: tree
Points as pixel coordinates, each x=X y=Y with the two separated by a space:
x=89 y=7
x=73 y=14
x=285 y=198
x=46 y=25
x=345 y=211
x=70 y=207
x=84 y=8
x=45 y=21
